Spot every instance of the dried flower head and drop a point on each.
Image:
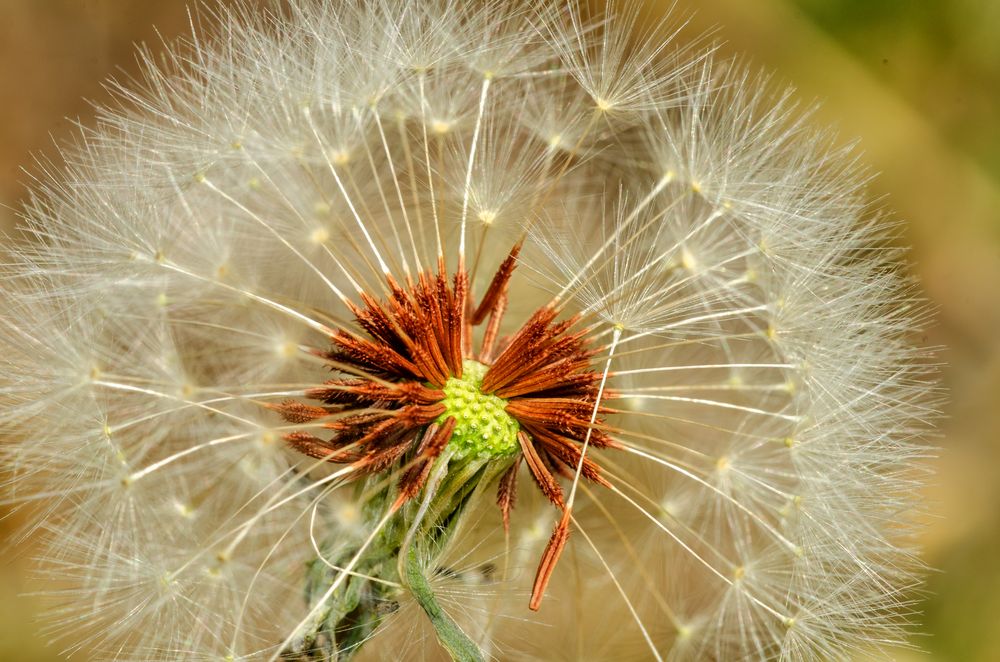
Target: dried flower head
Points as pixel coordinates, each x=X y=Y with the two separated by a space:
x=376 y=328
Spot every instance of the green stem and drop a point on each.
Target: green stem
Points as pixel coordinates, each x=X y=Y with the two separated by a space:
x=456 y=642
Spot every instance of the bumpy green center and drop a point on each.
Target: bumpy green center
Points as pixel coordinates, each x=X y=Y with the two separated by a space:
x=482 y=427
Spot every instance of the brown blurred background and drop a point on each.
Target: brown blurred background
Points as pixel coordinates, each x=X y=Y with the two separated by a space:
x=917 y=81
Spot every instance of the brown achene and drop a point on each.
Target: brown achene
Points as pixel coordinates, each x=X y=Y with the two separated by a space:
x=383 y=414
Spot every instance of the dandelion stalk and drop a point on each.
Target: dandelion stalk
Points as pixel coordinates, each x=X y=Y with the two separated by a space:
x=456 y=642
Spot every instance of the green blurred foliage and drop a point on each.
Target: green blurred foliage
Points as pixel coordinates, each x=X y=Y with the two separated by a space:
x=941 y=57
x=964 y=604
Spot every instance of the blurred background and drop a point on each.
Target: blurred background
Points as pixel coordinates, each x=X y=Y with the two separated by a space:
x=917 y=81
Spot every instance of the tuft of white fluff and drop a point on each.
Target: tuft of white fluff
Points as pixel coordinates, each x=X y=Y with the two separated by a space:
x=208 y=232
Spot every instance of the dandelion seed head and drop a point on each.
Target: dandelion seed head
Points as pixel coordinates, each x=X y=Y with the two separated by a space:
x=380 y=328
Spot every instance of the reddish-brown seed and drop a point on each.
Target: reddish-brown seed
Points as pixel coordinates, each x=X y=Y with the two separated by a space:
x=298 y=413
x=507 y=492
x=539 y=471
x=493 y=329
x=498 y=287
x=549 y=559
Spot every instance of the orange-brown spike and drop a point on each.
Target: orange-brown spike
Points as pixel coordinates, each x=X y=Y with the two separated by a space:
x=372 y=356
x=380 y=460
x=361 y=392
x=498 y=286
x=549 y=559
x=418 y=393
x=457 y=326
x=539 y=471
x=568 y=453
x=298 y=413
x=493 y=329
x=311 y=446
x=507 y=492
